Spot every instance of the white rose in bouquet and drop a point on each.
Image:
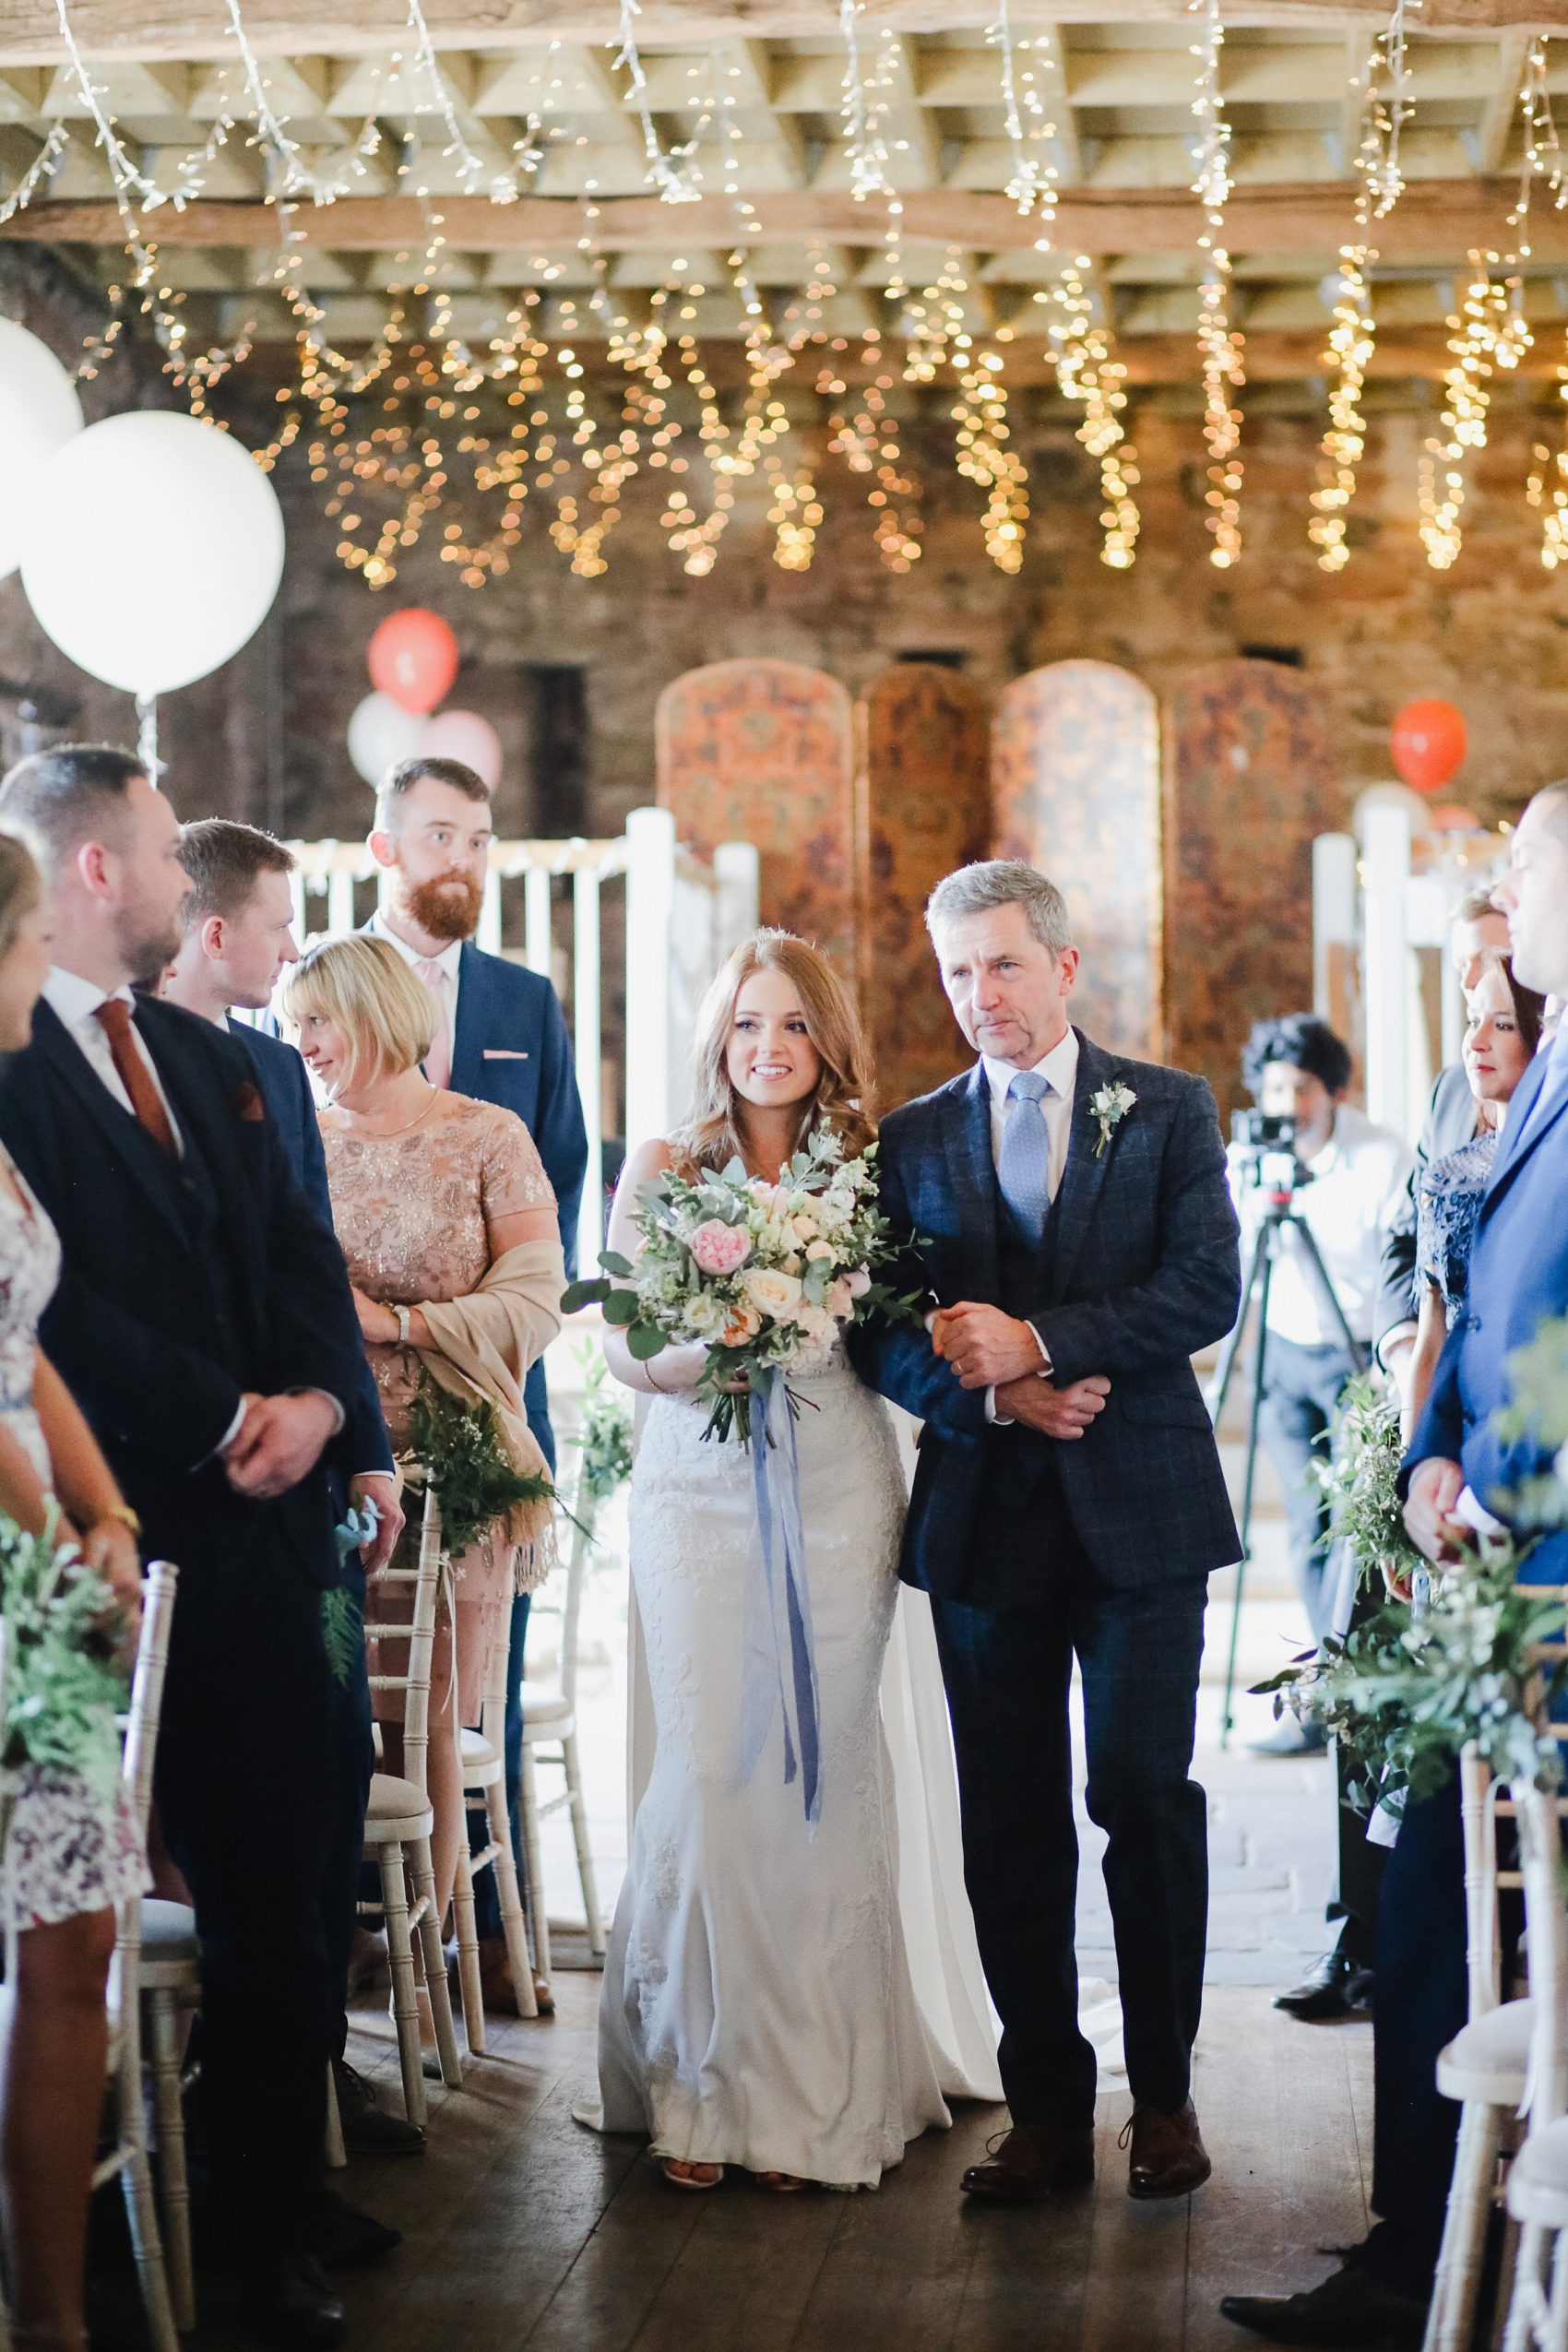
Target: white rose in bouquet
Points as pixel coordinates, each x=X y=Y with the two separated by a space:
x=772 y=1292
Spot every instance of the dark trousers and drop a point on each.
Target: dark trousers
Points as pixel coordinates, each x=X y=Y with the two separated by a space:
x=246 y=1765
x=353 y=1760
x=1422 y=1995
x=487 y=1901
x=1008 y=1675
x=1304 y=1386
x=1358 y=1875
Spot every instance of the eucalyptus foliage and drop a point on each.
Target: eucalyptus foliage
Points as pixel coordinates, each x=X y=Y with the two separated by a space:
x=605 y=1440
x=64 y=1682
x=476 y=1481
x=1359 y=1479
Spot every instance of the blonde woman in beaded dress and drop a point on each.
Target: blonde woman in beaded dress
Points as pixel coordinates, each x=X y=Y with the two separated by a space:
x=447 y=1221
x=69 y=1855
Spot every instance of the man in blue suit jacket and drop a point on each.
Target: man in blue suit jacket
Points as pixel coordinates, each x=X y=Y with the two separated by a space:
x=1518 y=1275
x=237 y=939
x=502 y=1040
x=1074 y=1223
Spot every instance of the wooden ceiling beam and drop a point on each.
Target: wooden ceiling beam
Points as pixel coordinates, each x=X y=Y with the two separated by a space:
x=200 y=29
x=1435 y=223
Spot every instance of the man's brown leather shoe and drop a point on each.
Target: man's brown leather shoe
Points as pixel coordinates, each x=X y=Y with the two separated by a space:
x=1032 y=2160
x=1169 y=2157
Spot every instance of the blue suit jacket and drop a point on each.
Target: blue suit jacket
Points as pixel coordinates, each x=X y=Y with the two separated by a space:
x=363 y=1444
x=1145 y=1270
x=1518 y=1275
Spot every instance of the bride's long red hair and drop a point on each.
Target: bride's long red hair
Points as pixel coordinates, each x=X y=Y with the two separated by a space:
x=845 y=1094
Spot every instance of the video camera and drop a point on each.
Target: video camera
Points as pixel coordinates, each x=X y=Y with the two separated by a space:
x=1265 y=1146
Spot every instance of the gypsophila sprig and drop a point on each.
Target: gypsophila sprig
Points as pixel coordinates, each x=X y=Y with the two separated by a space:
x=604 y=1441
x=1359 y=1480
x=1405 y=1692
x=765 y=1275
x=63 y=1683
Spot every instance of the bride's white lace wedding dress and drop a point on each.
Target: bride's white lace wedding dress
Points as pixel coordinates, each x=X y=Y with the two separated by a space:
x=758 y=2006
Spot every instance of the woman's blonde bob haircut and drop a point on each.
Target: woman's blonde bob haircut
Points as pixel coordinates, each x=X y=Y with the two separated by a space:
x=364 y=985
x=21 y=889
x=844 y=1095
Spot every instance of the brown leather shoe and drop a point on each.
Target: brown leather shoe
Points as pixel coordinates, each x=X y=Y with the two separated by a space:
x=1169 y=2157
x=1032 y=2160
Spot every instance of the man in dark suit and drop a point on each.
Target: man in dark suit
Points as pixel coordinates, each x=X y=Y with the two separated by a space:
x=502 y=1040
x=237 y=939
x=1457 y=1470
x=205 y=1324
x=1074 y=1226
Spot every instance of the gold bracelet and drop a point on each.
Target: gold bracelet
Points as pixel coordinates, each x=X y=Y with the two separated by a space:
x=120 y=1511
x=652 y=1382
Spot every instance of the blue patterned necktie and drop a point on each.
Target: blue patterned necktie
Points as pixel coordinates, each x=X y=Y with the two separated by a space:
x=1024 y=1169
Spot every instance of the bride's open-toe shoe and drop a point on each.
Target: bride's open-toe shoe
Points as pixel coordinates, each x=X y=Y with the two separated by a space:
x=783 y=2184
x=691 y=2176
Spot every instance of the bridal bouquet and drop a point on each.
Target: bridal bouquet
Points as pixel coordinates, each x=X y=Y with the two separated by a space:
x=768 y=1274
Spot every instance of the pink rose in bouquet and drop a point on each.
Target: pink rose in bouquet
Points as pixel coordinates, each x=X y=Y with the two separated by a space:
x=840 y=1301
x=719 y=1247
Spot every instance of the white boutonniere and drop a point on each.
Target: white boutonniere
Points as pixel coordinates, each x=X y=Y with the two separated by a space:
x=1110 y=1106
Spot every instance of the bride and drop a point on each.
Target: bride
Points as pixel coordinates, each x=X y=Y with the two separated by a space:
x=758 y=2009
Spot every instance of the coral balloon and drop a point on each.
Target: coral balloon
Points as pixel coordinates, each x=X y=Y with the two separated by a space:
x=381 y=733
x=463 y=735
x=414 y=658
x=1450 y=818
x=1428 y=741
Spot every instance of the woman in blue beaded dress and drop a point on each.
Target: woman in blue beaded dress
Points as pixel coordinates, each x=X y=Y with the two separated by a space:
x=1502 y=1029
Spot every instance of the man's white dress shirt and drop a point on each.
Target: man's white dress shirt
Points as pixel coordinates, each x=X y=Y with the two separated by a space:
x=1357 y=1190
x=1058 y=1068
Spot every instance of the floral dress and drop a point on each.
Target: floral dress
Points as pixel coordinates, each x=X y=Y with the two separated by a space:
x=67 y=1850
x=1448 y=1205
x=413 y=1212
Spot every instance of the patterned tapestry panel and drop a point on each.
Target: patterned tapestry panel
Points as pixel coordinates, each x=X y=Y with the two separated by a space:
x=1251 y=775
x=763 y=751
x=1074 y=766
x=923 y=788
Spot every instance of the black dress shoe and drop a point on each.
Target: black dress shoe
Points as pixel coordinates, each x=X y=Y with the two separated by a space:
x=1032 y=2160
x=1167 y=2158
x=341 y=2238
x=368 y=2129
x=289 y=2303
x=1350 y=2312
x=1338 y=1987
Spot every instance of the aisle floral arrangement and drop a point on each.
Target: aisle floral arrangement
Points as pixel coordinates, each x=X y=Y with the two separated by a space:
x=63 y=1682
x=768 y=1274
x=1406 y=1690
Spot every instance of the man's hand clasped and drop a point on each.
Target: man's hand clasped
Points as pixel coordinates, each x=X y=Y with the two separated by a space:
x=278 y=1443
x=989 y=1350
x=1435 y=1487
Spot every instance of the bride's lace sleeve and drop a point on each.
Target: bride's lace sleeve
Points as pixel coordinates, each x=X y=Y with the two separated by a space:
x=677 y=1367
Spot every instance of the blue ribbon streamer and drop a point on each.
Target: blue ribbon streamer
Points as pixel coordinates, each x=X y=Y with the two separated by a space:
x=781 y=1661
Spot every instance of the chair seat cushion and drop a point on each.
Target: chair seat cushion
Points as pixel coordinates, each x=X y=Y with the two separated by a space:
x=1489 y=2058
x=476 y=1749
x=1543 y=2162
x=395 y=1801
x=544 y=1705
x=167 y=1931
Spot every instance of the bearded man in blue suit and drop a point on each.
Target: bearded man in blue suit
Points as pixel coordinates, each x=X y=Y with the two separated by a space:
x=502 y=1038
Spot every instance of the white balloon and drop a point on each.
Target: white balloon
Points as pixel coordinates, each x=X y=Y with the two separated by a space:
x=38 y=412
x=381 y=733
x=153 y=549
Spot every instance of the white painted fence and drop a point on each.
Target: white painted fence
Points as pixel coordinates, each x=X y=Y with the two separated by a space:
x=1373 y=905
x=681 y=918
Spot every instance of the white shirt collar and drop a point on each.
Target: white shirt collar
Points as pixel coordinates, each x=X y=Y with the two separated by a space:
x=75 y=1000
x=448 y=959
x=1058 y=1068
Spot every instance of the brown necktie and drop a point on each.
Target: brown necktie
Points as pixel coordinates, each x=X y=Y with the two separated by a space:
x=135 y=1075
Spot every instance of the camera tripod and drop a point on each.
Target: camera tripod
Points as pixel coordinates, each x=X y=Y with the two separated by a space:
x=1266 y=1251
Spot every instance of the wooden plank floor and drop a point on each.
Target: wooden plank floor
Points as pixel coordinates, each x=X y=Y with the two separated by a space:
x=522 y=2229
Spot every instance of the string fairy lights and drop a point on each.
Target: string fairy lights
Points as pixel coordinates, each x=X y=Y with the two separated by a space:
x=1384 y=117
x=864 y=106
x=1086 y=372
x=980 y=414
x=1033 y=180
x=675 y=175
x=1487 y=333
x=1220 y=344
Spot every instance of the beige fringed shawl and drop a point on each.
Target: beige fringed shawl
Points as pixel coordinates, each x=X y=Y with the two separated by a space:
x=483 y=1347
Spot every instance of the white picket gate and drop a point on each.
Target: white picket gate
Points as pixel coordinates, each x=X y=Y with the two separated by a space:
x=681 y=918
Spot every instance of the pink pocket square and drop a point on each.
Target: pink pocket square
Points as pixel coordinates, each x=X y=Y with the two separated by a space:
x=503 y=1054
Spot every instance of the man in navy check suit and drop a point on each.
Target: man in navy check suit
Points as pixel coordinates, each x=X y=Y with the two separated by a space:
x=502 y=1040
x=1072 y=1221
